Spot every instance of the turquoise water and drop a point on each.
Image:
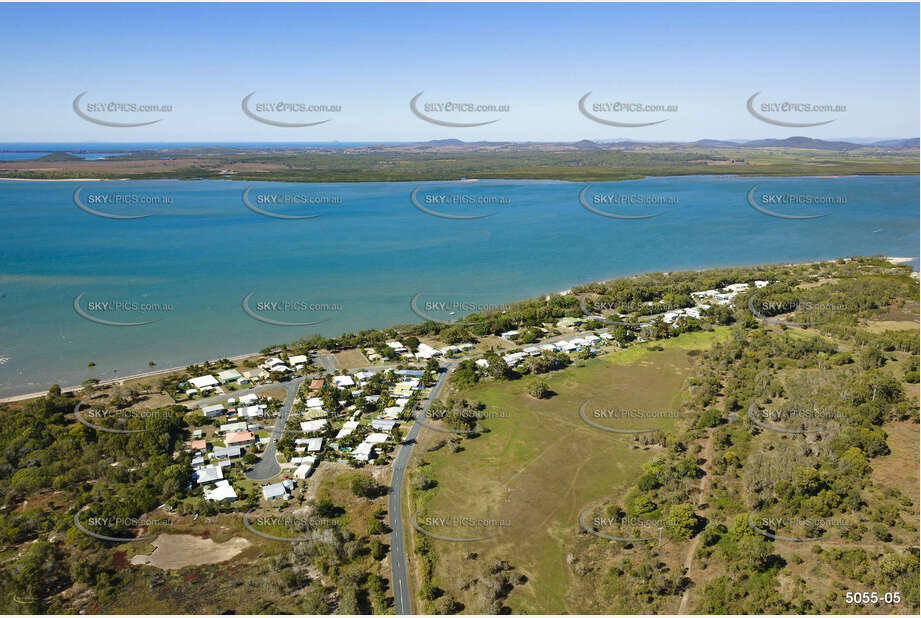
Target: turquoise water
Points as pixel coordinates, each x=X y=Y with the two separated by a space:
x=369 y=255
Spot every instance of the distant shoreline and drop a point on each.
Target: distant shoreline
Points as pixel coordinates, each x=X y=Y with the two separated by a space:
x=147 y=374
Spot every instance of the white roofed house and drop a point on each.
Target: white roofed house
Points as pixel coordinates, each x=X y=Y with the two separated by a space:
x=482 y=362
x=222 y=491
x=343 y=381
x=250 y=399
x=510 y=334
x=204 y=382
x=347 y=428
x=427 y=351
x=313 y=426
x=274 y=491
x=230 y=375
x=377 y=438
x=396 y=346
x=257 y=411
x=298 y=361
x=363 y=452
x=305 y=468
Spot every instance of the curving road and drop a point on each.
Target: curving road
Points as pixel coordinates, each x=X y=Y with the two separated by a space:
x=402 y=601
x=267 y=466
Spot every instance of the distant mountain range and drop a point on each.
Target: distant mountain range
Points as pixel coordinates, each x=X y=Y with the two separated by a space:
x=789 y=142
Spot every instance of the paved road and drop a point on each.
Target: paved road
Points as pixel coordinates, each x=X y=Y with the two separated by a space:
x=267 y=466
x=401 y=597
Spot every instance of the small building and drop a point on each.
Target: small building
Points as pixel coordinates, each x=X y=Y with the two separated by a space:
x=305 y=468
x=300 y=359
x=377 y=438
x=316 y=384
x=510 y=334
x=198 y=445
x=314 y=445
x=257 y=411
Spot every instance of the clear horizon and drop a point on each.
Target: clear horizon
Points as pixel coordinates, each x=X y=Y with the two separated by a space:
x=538 y=59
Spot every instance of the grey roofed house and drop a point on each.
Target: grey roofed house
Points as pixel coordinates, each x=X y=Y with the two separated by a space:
x=213 y=410
x=276 y=490
x=209 y=474
x=417 y=373
x=314 y=444
x=226 y=452
x=383 y=424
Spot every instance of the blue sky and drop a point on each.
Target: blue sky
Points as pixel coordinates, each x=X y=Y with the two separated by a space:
x=538 y=59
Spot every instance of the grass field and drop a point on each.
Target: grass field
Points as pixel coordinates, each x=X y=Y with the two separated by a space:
x=540 y=465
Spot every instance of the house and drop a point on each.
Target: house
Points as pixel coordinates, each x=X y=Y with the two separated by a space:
x=383 y=424
x=396 y=346
x=226 y=452
x=316 y=384
x=569 y=323
x=313 y=426
x=239 y=437
x=363 y=452
x=230 y=375
x=482 y=362
x=347 y=428
x=427 y=351
x=305 y=468
x=208 y=474
x=590 y=339
x=392 y=412
x=222 y=491
x=213 y=410
x=761 y=284
x=314 y=445
x=737 y=287
x=412 y=373
x=204 y=382
x=257 y=411
x=377 y=438
x=254 y=375
x=249 y=400
x=198 y=445
x=198 y=434
x=198 y=462
x=364 y=376
x=509 y=335
x=233 y=427
x=272 y=362
x=300 y=359
x=532 y=351
x=275 y=490
x=607 y=336
x=343 y=381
